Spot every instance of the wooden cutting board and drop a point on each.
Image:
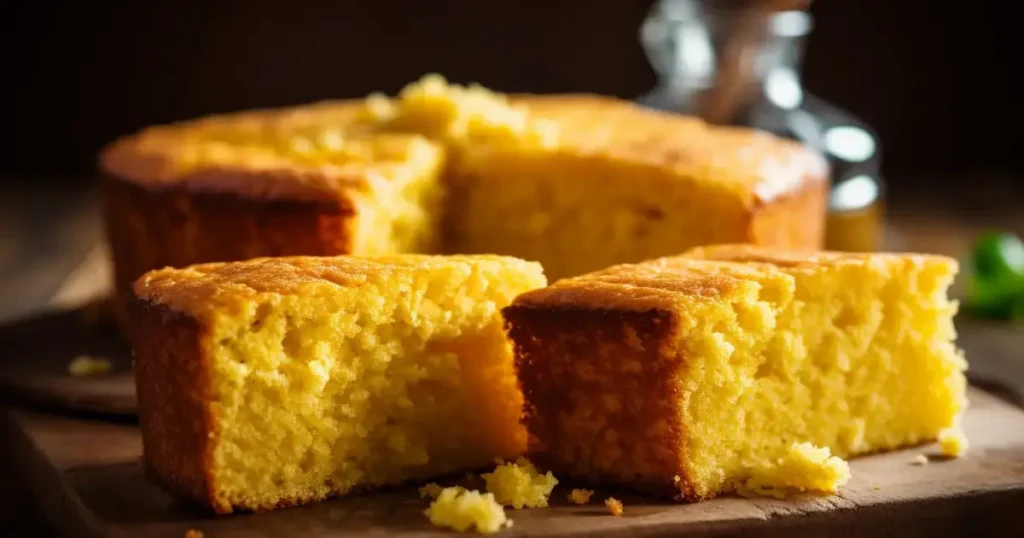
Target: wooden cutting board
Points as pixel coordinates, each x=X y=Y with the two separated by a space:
x=86 y=477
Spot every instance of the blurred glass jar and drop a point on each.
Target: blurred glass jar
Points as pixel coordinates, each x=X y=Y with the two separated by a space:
x=736 y=62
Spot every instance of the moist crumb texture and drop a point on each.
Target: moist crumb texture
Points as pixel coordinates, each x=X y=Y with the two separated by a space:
x=520 y=485
x=280 y=381
x=465 y=511
x=735 y=365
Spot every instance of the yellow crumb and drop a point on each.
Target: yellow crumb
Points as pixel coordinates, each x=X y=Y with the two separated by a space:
x=580 y=496
x=465 y=510
x=614 y=506
x=953 y=441
x=804 y=468
x=192 y=533
x=85 y=365
x=920 y=459
x=432 y=490
x=877 y=488
x=519 y=484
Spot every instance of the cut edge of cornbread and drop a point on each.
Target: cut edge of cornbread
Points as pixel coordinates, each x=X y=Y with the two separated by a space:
x=415 y=383
x=757 y=356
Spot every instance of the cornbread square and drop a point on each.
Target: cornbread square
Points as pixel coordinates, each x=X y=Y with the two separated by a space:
x=691 y=375
x=280 y=381
x=618 y=183
x=274 y=184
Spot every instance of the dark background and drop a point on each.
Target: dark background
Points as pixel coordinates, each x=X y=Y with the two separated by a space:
x=937 y=79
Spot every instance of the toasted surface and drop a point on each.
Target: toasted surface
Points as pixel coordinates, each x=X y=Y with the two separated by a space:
x=757 y=164
x=737 y=368
x=217 y=286
x=280 y=381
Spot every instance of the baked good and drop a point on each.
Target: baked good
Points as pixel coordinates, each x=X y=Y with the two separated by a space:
x=577 y=182
x=278 y=381
x=696 y=375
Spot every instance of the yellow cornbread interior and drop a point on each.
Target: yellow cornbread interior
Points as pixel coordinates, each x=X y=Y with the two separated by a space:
x=805 y=467
x=403 y=373
x=856 y=357
x=518 y=484
x=467 y=510
x=577 y=213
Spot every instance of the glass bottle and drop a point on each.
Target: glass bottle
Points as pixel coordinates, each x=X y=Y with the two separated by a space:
x=738 y=63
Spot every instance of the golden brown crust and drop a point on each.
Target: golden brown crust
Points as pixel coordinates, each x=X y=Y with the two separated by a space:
x=173 y=376
x=551 y=343
x=782 y=258
x=151 y=228
x=795 y=220
x=762 y=167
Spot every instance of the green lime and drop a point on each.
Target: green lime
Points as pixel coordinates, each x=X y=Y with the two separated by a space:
x=999 y=257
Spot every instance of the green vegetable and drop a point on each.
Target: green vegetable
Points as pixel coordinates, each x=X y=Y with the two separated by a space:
x=996 y=277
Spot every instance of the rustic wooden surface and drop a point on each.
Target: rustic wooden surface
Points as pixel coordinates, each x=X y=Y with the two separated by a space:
x=86 y=477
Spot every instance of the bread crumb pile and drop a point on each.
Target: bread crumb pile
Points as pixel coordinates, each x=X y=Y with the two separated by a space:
x=519 y=484
x=464 y=510
x=805 y=467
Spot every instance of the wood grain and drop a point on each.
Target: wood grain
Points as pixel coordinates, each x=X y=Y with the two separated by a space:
x=86 y=477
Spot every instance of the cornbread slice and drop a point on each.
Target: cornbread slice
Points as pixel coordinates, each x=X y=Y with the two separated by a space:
x=279 y=381
x=690 y=375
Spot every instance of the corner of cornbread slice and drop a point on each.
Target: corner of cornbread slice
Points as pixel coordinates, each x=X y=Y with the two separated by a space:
x=279 y=381
x=693 y=374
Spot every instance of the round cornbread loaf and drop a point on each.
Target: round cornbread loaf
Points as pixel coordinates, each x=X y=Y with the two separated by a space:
x=577 y=182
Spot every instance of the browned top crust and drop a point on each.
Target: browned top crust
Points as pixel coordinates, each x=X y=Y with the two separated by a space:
x=316 y=150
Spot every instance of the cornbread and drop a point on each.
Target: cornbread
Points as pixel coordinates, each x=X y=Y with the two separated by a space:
x=953 y=442
x=577 y=182
x=614 y=506
x=580 y=496
x=279 y=381
x=690 y=375
x=519 y=484
x=462 y=510
x=804 y=467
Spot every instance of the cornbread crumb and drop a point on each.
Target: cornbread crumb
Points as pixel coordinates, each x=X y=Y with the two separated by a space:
x=519 y=484
x=432 y=490
x=953 y=441
x=83 y=365
x=614 y=506
x=804 y=468
x=192 y=533
x=463 y=510
x=920 y=459
x=877 y=488
x=580 y=496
